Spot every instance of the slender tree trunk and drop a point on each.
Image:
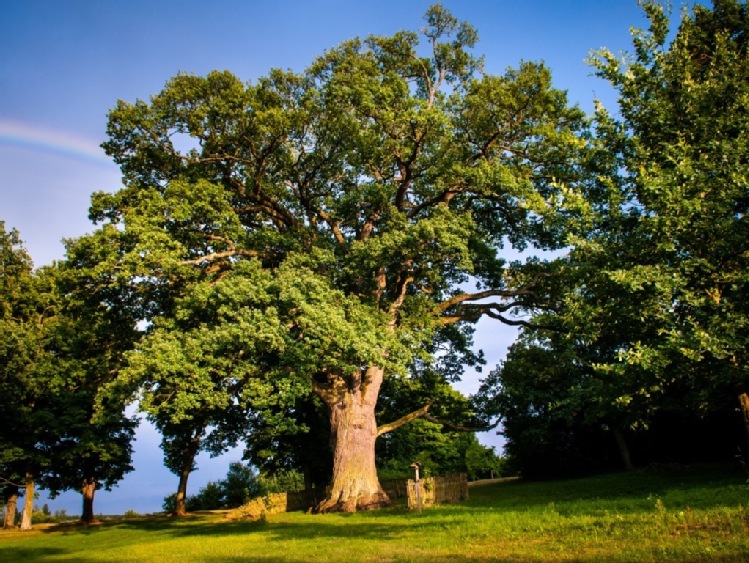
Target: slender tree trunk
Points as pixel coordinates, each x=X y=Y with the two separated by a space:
x=307 y=473
x=744 y=402
x=180 y=503
x=28 y=503
x=355 y=485
x=10 y=494
x=88 y=489
x=623 y=448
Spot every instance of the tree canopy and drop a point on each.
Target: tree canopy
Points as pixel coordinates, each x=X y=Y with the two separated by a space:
x=315 y=232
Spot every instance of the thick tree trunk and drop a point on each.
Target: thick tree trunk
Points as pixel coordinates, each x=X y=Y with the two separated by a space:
x=352 y=401
x=28 y=504
x=10 y=494
x=88 y=489
x=623 y=448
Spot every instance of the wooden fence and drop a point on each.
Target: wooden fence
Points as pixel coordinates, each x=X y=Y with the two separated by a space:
x=395 y=488
x=438 y=490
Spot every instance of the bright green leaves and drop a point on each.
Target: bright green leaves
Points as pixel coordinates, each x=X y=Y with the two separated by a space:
x=509 y=125
x=452 y=62
x=254 y=338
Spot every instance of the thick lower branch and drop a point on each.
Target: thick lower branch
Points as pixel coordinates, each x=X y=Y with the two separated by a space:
x=459 y=427
x=463 y=297
x=4 y=481
x=385 y=428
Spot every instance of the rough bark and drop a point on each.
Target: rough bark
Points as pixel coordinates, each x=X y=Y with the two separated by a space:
x=88 y=489
x=10 y=494
x=28 y=504
x=351 y=402
x=623 y=448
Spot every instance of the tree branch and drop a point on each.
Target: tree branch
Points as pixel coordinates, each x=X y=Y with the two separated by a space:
x=4 y=481
x=459 y=427
x=405 y=278
x=386 y=428
x=463 y=297
x=226 y=254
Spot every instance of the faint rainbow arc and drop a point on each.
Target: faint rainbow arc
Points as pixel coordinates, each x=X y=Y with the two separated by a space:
x=49 y=140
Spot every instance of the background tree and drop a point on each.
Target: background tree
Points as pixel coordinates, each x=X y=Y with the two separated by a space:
x=439 y=439
x=26 y=425
x=93 y=327
x=651 y=332
x=362 y=195
x=60 y=343
x=301 y=444
x=685 y=152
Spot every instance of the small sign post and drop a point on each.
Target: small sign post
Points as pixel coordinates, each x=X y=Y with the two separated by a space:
x=415 y=466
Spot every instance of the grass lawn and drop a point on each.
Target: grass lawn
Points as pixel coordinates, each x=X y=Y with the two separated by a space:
x=672 y=514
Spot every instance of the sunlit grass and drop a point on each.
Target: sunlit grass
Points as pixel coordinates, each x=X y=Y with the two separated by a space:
x=679 y=514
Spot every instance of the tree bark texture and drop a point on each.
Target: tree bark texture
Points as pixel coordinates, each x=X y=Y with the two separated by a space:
x=10 y=495
x=28 y=503
x=88 y=489
x=351 y=403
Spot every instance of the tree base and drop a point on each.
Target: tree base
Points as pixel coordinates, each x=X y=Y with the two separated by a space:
x=354 y=504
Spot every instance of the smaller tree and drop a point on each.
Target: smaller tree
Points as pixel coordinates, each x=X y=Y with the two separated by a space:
x=26 y=307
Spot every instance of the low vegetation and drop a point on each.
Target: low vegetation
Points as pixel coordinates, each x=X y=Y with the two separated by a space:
x=667 y=513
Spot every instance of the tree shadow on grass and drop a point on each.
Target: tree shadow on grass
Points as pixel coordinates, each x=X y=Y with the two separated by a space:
x=30 y=553
x=361 y=525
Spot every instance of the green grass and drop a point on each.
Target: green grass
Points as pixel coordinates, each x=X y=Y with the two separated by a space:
x=676 y=514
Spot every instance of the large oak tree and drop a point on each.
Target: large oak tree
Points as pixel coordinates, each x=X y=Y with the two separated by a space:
x=321 y=231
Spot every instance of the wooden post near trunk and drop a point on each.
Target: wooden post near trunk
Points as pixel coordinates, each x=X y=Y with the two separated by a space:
x=417 y=487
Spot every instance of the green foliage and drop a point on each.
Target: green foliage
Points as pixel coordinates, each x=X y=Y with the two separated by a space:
x=59 y=343
x=241 y=484
x=648 y=334
x=25 y=425
x=440 y=448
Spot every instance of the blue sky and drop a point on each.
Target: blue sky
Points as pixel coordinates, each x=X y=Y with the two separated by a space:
x=64 y=64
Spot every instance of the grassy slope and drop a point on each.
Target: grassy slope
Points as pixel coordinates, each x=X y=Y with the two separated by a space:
x=677 y=514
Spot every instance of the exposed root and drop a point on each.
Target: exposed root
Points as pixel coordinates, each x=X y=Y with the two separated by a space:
x=368 y=502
